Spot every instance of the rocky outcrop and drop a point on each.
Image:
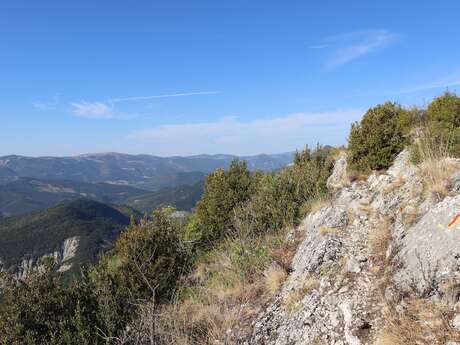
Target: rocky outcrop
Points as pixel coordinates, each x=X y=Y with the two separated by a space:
x=63 y=259
x=377 y=244
x=339 y=177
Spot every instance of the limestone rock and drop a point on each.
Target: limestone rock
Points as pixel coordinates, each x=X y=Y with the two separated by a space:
x=456 y=322
x=339 y=177
x=382 y=225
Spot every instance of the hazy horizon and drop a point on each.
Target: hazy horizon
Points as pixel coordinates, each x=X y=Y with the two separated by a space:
x=148 y=154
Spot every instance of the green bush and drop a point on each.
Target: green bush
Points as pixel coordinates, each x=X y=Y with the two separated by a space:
x=271 y=207
x=42 y=310
x=382 y=133
x=223 y=191
x=277 y=198
x=443 y=115
x=145 y=265
x=309 y=173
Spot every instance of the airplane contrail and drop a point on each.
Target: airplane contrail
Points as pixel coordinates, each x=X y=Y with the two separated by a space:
x=140 y=98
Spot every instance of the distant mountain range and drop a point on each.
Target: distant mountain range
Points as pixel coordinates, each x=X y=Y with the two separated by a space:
x=140 y=171
x=25 y=194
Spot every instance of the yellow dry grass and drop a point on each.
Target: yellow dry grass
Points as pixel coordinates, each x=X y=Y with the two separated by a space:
x=421 y=322
x=274 y=277
x=222 y=296
x=307 y=284
x=326 y=230
x=397 y=183
x=437 y=177
x=319 y=204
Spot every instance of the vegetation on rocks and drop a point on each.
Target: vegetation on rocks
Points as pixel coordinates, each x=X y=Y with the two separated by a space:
x=203 y=280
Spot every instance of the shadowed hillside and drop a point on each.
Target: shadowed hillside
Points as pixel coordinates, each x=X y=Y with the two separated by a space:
x=91 y=225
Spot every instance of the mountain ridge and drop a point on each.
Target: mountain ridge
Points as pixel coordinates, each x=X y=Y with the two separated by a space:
x=141 y=171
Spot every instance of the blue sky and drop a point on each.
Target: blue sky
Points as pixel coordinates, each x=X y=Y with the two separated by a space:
x=189 y=77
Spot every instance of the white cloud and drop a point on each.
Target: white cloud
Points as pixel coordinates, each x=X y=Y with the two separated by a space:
x=231 y=135
x=350 y=46
x=92 y=110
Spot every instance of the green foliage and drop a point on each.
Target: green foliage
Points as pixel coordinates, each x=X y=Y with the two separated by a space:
x=382 y=133
x=443 y=115
x=445 y=110
x=41 y=310
x=269 y=209
x=43 y=232
x=145 y=264
x=248 y=257
x=277 y=199
x=223 y=191
x=309 y=173
x=237 y=216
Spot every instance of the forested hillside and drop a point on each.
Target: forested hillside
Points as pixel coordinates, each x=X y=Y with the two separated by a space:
x=92 y=227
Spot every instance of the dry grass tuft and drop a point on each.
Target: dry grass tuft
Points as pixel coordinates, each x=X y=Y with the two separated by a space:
x=410 y=215
x=226 y=290
x=398 y=182
x=435 y=164
x=367 y=208
x=284 y=253
x=422 y=321
x=437 y=177
x=313 y=206
x=274 y=277
x=379 y=239
x=357 y=176
x=319 y=204
x=379 y=243
x=326 y=230
x=308 y=283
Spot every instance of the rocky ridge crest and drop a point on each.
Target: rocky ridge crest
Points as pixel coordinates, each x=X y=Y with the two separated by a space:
x=377 y=251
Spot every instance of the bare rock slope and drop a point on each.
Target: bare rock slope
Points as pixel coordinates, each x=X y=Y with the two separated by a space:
x=378 y=264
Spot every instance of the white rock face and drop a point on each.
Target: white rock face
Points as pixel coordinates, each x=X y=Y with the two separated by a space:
x=62 y=257
x=402 y=167
x=430 y=250
x=339 y=177
x=336 y=259
x=69 y=248
x=456 y=322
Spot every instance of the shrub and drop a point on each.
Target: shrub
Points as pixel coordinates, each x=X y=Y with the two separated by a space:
x=223 y=191
x=309 y=174
x=41 y=310
x=277 y=198
x=443 y=116
x=145 y=265
x=272 y=207
x=376 y=140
